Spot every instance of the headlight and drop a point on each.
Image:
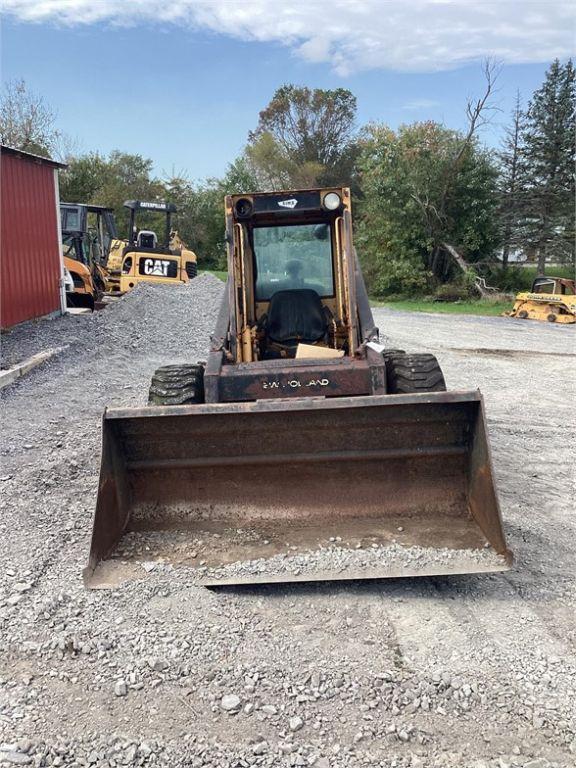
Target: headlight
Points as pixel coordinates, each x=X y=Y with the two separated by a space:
x=243 y=208
x=332 y=201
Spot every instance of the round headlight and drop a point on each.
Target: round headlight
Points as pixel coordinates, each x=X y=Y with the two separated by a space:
x=332 y=201
x=243 y=208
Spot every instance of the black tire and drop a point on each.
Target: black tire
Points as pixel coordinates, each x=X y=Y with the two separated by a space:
x=552 y=317
x=177 y=385
x=409 y=374
x=192 y=270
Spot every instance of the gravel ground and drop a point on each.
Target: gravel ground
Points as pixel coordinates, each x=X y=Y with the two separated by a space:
x=462 y=672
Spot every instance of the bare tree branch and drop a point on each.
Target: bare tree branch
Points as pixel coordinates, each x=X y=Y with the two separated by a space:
x=26 y=122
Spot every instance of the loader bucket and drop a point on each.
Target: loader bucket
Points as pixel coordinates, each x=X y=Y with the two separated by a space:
x=298 y=490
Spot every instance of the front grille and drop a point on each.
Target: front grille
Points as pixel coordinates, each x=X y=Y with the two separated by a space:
x=191 y=269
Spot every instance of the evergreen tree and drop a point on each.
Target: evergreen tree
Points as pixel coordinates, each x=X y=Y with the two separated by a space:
x=511 y=182
x=549 y=157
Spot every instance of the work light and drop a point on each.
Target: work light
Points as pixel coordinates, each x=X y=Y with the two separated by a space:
x=243 y=208
x=332 y=201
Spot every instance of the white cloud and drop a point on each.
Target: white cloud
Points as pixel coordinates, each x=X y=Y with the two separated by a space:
x=350 y=35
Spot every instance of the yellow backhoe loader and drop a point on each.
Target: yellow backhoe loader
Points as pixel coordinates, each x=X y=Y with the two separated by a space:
x=302 y=450
x=551 y=299
x=144 y=258
x=87 y=233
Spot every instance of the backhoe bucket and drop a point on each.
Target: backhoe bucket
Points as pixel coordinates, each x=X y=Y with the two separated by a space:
x=298 y=490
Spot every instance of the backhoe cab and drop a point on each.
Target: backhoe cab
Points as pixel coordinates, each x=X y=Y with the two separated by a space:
x=151 y=256
x=88 y=232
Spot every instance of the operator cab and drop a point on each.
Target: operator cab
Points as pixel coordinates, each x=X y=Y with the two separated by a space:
x=87 y=232
x=554 y=285
x=292 y=271
x=147 y=239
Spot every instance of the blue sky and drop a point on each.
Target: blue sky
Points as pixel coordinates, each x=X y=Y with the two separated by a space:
x=186 y=91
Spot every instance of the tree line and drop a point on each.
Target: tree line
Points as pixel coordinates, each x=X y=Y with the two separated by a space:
x=434 y=207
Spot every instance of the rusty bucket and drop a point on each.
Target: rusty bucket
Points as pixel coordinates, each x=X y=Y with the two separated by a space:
x=298 y=490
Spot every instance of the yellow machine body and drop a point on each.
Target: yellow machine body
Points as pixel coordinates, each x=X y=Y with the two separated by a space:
x=177 y=265
x=85 y=293
x=552 y=299
x=148 y=257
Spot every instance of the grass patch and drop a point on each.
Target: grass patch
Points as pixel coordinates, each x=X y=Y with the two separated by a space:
x=221 y=274
x=517 y=279
x=479 y=307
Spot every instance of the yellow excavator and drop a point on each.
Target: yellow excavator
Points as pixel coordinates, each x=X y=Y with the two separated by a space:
x=552 y=299
x=144 y=257
x=302 y=449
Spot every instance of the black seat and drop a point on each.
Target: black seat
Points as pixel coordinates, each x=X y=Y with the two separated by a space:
x=296 y=316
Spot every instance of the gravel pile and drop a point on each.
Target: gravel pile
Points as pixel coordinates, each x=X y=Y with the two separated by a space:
x=151 y=319
x=461 y=672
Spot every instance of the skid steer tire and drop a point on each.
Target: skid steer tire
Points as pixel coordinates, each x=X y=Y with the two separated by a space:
x=410 y=374
x=177 y=385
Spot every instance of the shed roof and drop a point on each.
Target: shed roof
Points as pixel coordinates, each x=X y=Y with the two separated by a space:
x=30 y=156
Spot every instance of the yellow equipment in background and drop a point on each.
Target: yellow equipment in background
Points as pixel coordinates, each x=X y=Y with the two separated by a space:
x=87 y=231
x=551 y=298
x=83 y=292
x=143 y=258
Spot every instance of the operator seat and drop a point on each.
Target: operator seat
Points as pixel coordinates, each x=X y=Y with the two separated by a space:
x=147 y=239
x=295 y=316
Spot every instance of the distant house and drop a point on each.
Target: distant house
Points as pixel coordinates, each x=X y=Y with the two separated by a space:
x=31 y=264
x=515 y=256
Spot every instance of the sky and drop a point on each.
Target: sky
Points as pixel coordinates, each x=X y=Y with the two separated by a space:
x=182 y=82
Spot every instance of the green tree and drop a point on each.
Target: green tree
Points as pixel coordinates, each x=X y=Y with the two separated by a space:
x=26 y=122
x=549 y=156
x=83 y=179
x=511 y=183
x=410 y=211
x=110 y=181
x=200 y=217
x=305 y=137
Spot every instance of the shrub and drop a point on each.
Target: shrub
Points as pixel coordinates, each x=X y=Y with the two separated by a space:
x=400 y=277
x=452 y=292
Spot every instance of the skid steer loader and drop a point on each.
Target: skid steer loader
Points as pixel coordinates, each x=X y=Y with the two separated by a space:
x=552 y=299
x=302 y=450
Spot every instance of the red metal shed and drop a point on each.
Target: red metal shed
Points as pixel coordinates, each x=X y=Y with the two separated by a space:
x=31 y=265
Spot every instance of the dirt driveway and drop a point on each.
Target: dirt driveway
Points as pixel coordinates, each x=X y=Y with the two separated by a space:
x=466 y=672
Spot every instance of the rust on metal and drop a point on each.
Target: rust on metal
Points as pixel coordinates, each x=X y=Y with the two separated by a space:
x=260 y=479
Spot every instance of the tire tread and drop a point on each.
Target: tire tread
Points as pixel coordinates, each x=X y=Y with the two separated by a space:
x=413 y=373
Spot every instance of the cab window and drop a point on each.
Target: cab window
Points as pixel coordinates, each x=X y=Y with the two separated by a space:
x=293 y=256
